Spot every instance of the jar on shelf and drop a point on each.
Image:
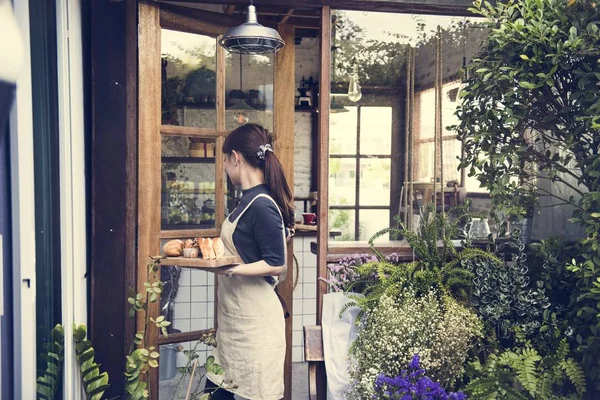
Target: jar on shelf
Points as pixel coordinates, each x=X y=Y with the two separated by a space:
x=196 y=216
x=185 y=215
x=208 y=210
x=254 y=98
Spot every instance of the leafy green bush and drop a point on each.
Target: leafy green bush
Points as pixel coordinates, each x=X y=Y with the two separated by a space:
x=94 y=382
x=49 y=379
x=531 y=113
x=531 y=109
x=502 y=293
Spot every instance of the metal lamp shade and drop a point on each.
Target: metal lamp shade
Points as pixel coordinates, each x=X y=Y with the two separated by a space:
x=251 y=37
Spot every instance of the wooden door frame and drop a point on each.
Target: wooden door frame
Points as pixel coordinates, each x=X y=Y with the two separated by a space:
x=111 y=54
x=283 y=126
x=152 y=18
x=323 y=151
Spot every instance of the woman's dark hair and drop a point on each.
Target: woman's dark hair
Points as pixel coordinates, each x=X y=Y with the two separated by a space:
x=247 y=140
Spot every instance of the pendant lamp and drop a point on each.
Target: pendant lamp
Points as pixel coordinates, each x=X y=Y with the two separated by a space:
x=251 y=37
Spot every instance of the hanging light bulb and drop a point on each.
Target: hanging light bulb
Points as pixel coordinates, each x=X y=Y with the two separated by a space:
x=240 y=105
x=240 y=118
x=354 y=92
x=464 y=72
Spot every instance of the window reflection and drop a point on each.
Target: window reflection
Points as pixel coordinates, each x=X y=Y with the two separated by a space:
x=369 y=175
x=188 y=79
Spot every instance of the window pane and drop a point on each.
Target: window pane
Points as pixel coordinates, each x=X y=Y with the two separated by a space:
x=375 y=182
x=249 y=87
x=371 y=222
x=188 y=298
x=424 y=161
x=189 y=79
x=343 y=221
x=376 y=130
x=342 y=181
x=452 y=150
x=342 y=131
x=188 y=179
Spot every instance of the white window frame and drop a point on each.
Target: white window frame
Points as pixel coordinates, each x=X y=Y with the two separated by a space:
x=72 y=183
x=72 y=200
x=23 y=220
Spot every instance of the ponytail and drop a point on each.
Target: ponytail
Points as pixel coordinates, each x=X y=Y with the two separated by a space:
x=279 y=188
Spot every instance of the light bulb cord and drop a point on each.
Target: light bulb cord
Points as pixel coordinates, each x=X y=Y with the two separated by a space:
x=241 y=72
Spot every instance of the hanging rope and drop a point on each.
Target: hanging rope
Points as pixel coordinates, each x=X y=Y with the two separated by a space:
x=439 y=123
x=406 y=144
x=436 y=121
x=411 y=137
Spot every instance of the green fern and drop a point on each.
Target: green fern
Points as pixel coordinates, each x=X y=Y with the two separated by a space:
x=492 y=388
x=524 y=374
x=525 y=365
x=562 y=350
x=395 y=233
x=445 y=269
x=48 y=381
x=378 y=279
x=94 y=383
x=575 y=374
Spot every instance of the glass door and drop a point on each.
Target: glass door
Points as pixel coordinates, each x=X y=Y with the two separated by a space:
x=191 y=94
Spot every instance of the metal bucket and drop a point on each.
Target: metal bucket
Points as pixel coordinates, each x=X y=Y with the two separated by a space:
x=167 y=365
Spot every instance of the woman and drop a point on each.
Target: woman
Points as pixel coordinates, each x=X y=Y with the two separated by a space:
x=251 y=328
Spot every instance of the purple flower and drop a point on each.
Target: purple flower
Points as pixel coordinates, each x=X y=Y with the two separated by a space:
x=415 y=362
x=412 y=384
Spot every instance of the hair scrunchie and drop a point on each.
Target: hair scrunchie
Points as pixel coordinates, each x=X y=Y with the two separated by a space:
x=262 y=151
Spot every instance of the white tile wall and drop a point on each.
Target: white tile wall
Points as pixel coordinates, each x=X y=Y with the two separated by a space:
x=194 y=309
x=305 y=298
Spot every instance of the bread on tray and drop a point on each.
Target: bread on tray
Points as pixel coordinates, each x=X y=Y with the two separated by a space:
x=210 y=248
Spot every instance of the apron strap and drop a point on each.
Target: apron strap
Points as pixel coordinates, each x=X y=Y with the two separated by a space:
x=252 y=201
x=286 y=313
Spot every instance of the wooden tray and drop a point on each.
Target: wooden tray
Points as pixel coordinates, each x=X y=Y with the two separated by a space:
x=306 y=228
x=200 y=262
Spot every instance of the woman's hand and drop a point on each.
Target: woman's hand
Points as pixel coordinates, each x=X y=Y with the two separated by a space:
x=224 y=270
x=291 y=233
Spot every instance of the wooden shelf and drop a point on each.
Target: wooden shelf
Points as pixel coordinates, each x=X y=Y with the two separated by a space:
x=257 y=108
x=208 y=106
x=305 y=109
x=338 y=250
x=202 y=106
x=200 y=262
x=306 y=228
x=188 y=160
x=176 y=227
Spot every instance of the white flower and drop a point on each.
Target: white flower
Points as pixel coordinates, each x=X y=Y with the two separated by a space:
x=399 y=328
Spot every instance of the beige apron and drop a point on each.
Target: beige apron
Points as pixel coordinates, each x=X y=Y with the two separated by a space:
x=251 y=329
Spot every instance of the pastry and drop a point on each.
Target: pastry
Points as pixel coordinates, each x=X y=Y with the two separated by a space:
x=218 y=247
x=173 y=248
x=206 y=248
x=211 y=249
